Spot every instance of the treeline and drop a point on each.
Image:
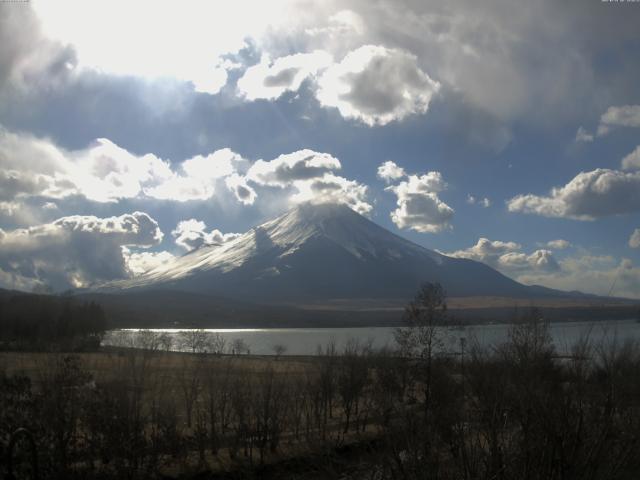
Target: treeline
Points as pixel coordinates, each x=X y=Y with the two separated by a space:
x=43 y=322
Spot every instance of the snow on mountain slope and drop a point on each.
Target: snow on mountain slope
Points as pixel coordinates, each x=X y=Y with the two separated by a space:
x=320 y=251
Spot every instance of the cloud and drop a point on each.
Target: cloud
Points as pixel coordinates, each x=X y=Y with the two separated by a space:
x=623 y=116
x=330 y=188
x=74 y=251
x=389 y=171
x=301 y=165
x=419 y=207
x=559 y=244
x=487 y=251
x=198 y=178
x=376 y=85
x=483 y=202
x=27 y=56
x=585 y=272
x=310 y=176
x=634 y=239
x=187 y=44
x=501 y=59
x=632 y=161
x=244 y=193
x=191 y=234
x=269 y=80
x=601 y=275
x=583 y=136
x=508 y=257
x=340 y=24
x=105 y=172
x=590 y=195
x=142 y=262
x=539 y=260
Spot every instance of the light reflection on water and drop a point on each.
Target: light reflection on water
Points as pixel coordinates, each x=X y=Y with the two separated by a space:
x=305 y=341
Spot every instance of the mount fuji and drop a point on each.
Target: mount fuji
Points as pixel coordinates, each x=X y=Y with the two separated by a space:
x=321 y=252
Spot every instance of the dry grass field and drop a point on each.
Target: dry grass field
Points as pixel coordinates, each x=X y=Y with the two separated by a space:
x=516 y=411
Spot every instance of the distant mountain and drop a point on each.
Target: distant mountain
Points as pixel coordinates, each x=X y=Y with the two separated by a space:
x=321 y=252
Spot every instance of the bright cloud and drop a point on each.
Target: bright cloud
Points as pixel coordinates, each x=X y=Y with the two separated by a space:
x=487 y=251
x=376 y=85
x=331 y=188
x=419 y=207
x=623 y=116
x=389 y=171
x=632 y=161
x=269 y=80
x=106 y=172
x=590 y=195
x=559 y=244
x=301 y=165
x=183 y=42
x=142 y=262
x=74 y=251
x=191 y=234
x=244 y=193
x=634 y=240
x=310 y=175
x=508 y=257
x=198 y=178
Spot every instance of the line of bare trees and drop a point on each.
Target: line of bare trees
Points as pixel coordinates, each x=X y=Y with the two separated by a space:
x=514 y=411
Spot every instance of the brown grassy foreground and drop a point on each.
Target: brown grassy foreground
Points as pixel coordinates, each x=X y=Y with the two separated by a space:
x=514 y=412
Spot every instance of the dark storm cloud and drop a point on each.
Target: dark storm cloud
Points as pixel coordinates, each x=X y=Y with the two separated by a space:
x=74 y=251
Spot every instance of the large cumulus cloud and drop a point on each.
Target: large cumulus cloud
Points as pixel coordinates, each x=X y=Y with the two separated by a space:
x=74 y=251
x=106 y=172
x=291 y=167
x=419 y=206
x=309 y=176
x=377 y=85
x=590 y=195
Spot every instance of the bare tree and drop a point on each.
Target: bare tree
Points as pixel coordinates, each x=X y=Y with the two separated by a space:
x=279 y=350
x=239 y=346
x=190 y=382
x=216 y=343
x=194 y=341
x=421 y=337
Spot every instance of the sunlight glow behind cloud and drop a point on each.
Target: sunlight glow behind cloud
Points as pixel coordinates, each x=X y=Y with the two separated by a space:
x=148 y=38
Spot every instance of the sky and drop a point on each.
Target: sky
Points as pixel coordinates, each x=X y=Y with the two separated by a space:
x=505 y=132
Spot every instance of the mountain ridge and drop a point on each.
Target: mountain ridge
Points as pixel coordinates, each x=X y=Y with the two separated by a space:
x=323 y=251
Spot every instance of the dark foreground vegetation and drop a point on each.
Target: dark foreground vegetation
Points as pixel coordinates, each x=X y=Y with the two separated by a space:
x=516 y=411
x=44 y=322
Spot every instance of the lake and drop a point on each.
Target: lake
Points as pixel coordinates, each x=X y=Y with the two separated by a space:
x=305 y=341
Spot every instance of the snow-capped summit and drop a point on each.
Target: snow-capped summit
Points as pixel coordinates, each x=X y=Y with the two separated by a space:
x=321 y=251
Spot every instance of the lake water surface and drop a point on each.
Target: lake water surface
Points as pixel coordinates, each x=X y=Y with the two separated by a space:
x=305 y=341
